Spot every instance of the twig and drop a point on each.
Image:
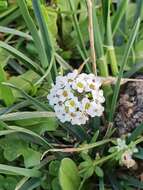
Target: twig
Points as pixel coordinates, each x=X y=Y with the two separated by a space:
x=82 y=65
x=91 y=34
x=78 y=149
x=112 y=80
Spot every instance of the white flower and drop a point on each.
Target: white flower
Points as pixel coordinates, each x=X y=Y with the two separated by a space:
x=92 y=83
x=98 y=96
x=121 y=144
x=127 y=160
x=72 y=104
x=72 y=76
x=64 y=94
x=61 y=81
x=79 y=85
x=77 y=97
x=78 y=118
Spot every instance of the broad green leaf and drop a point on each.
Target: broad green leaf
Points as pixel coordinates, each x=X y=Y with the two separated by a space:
x=54 y=168
x=15 y=147
x=68 y=175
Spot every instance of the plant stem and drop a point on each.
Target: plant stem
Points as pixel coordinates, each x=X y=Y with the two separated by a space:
x=91 y=34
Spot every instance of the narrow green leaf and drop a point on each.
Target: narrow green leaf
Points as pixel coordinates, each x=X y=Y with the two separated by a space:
x=31 y=184
x=124 y=61
x=30 y=23
x=8 y=18
x=34 y=101
x=43 y=28
x=101 y=184
x=119 y=15
x=21 y=57
x=26 y=131
x=15 y=32
x=26 y=115
x=136 y=133
x=5 y=169
x=5 y=92
x=77 y=29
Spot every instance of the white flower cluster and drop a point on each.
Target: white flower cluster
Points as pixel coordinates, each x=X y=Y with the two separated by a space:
x=77 y=97
x=127 y=153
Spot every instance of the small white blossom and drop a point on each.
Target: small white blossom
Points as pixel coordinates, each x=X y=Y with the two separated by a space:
x=126 y=152
x=121 y=144
x=127 y=160
x=77 y=97
x=79 y=85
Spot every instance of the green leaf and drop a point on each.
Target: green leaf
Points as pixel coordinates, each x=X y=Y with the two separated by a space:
x=119 y=15
x=101 y=184
x=99 y=171
x=54 y=168
x=39 y=13
x=55 y=184
x=124 y=61
x=30 y=23
x=34 y=101
x=11 y=170
x=15 y=32
x=5 y=92
x=30 y=184
x=22 y=57
x=68 y=175
x=136 y=133
x=139 y=155
x=26 y=115
x=15 y=147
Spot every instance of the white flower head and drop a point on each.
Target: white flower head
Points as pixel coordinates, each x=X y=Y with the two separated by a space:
x=77 y=97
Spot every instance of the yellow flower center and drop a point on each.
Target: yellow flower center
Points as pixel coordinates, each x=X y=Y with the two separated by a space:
x=72 y=103
x=92 y=86
x=80 y=85
x=65 y=94
x=87 y=106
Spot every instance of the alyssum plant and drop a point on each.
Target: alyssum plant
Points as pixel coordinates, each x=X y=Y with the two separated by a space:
x=69 y=142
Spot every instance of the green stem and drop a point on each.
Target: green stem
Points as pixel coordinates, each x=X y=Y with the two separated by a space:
x=113 y=61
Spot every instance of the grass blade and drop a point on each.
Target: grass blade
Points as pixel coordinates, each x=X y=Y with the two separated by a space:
x=119 y=15
x=26 y=115
x=15 y=32
x=136 y=133
x=32 y=28
x=21 y=57
x=43 y=28
x=33 y=101
x=124 y=61
x=5 y=92
x=5 y=169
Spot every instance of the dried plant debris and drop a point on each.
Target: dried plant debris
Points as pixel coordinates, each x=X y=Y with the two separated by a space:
x=130 y=109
